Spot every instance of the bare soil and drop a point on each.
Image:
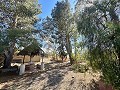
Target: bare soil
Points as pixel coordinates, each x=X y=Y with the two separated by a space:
x=57 y=76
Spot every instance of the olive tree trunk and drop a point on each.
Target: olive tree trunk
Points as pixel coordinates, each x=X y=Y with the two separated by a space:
x=8 y=55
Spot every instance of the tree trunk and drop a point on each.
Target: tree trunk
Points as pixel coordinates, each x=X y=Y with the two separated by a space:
x=71 y=59
x=24 y=59
x=75 y=45
x=8 y=54
x=56 y=57
x=30 y=58
x=75 y=41
x=62 y=59
x=42 y=59
x=69 y=48
x=62 y=49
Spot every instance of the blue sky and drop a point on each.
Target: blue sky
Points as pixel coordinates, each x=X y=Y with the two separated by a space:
x=48 y=5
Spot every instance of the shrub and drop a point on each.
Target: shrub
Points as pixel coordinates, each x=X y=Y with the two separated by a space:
x=80 y=68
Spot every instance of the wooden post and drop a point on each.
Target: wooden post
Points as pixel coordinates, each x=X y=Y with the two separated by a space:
x=23 y=59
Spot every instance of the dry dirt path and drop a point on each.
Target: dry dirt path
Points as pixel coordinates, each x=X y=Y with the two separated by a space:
x=57 y=77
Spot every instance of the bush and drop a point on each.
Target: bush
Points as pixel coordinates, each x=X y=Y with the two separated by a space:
x=80 y=68
x=110 y=71
x=111 y=74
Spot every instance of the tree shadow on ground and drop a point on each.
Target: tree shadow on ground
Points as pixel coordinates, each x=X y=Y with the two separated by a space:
x=22 y=81
x=5 y=77
x=52 y=76
x=26 y=80
x=54 y=79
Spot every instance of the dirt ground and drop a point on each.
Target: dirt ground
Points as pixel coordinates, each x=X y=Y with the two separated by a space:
x=57 y=76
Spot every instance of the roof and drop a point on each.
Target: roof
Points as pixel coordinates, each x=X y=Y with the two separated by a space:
x=33 y=49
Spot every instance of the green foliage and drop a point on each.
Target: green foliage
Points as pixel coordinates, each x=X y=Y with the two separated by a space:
x=80 y=68
x=111 y=73
x=62 y=16
x=15 y=34
x=99 y=24
x=33 y=46
x=16 y=26
x=17 y=18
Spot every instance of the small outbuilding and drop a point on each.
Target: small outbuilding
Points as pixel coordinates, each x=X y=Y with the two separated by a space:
x=31 y=50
